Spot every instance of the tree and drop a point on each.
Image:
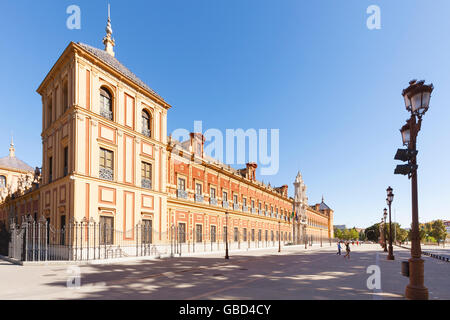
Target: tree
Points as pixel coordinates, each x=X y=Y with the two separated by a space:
x=402 y=235
x=338 y=233
x=373 y=232
x=362 y=236
x=438 y=231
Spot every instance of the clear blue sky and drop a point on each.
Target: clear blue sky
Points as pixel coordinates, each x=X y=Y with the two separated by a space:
x=310 y=68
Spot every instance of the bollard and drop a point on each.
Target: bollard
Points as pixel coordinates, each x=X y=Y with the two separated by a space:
x=405 y=268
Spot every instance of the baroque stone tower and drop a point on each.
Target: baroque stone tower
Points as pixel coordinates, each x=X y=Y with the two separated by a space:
x=300 y=206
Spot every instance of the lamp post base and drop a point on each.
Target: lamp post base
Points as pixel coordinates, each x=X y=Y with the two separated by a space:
x=389 y=257
x=416 y=290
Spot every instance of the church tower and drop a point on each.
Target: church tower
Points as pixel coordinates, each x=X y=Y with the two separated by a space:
x=300 y=206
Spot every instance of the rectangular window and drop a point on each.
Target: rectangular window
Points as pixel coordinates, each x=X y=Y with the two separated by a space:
x=244 y=233
x=253 y=203
x=253 y=234
x=236 y=234
x=225 y=196
x=259 y=206
x=50 y=169
x=266 y=236
x=213 y=233
x=146 y=175
x=106 y=164
x=213 y=193
x=181 y=184
x=146 y=231
x=271 y=235
x=235 y=199
x=65 y=96
x=198 y=233
x=66 y=162
x=198 y=188
x=182 y=232
x=244 y=202
x=106 y=230
x=259 y=235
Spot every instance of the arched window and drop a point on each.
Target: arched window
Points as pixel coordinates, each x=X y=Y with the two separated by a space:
x=2 y=182
x=106 y=110
x=146 y=124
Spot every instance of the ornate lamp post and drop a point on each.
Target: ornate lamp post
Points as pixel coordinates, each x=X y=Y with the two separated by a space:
x=384 y=230
x=389 y=199
x=417 y=101
x=279 y=236
x=226 y=236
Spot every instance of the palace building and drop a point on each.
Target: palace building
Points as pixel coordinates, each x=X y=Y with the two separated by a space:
x=107 y=159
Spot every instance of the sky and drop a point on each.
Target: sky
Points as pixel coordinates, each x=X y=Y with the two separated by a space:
x=311 y=69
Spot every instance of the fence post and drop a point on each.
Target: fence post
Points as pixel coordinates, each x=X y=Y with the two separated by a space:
x=137 y=240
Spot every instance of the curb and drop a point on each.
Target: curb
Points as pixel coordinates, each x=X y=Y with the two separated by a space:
x=431 y=255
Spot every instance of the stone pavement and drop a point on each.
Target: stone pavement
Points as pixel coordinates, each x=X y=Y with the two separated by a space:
x=293 y=274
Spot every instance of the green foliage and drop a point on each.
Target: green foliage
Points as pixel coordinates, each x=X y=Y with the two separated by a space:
x=438 y=231
x=346 y=234
x=373 y=232
x=433 y=231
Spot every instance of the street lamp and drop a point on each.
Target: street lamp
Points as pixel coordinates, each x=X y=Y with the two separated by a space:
x=226 y=236
x=417 y=101
x=384 y=230
x=279 y=236
x=389 y=199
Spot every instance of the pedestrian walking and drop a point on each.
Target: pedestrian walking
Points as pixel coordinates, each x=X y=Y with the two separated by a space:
x=347 y=249
x=339 y=248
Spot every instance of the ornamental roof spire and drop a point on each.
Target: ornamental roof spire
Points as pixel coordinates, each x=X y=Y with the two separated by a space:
x=108 y=41
x=12 y=150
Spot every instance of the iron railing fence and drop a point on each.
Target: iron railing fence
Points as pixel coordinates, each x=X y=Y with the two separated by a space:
x=91 y=240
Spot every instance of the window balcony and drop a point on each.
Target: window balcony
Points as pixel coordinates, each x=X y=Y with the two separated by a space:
x=260 y=212
x=182 y=194
x=213 y=201
x=225 y=204
x=146 y=183
x=105 y=113
x=235 y=206
x=244 y=208
x=106 y=174
x=146 y=132
x=253 y=210
x=198 y=198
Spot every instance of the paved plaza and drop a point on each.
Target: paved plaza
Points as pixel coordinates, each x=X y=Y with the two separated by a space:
x=295 y=273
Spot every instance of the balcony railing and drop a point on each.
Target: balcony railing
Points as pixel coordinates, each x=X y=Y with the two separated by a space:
x=146 y=183
x=146 y=132
x=182 y=194
x=235 y=206
x=106 y=173
x=105 y=113
x=213 y=201
x=198 y=198
x=244 y=208
x=225 y=204
x=253 y=210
